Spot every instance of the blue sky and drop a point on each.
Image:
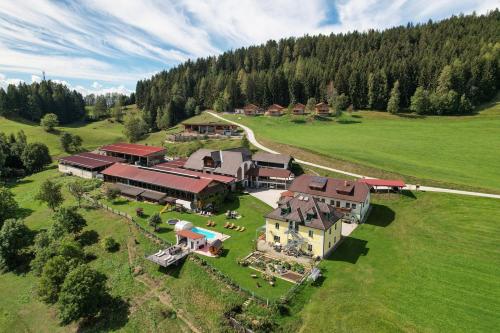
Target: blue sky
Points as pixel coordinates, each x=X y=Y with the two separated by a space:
x=104 y=46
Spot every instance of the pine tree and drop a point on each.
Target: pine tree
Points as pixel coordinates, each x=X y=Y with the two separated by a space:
x=393 y=104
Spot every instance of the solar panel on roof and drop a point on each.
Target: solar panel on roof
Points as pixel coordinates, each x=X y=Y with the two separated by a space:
x=318 y=182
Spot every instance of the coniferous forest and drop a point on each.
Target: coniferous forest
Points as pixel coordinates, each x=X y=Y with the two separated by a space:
x=33 y=101
x=431 y=68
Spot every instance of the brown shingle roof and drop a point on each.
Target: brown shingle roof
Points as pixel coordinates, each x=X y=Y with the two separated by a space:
x=90 y=160
x=334 y=188
x=270 y=172
x=322 y=216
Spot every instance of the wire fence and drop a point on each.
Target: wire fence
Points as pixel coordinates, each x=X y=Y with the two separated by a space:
x=203 y=263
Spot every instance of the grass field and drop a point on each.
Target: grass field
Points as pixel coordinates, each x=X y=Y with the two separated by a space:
x=237 y=247
x=188 y=287
x=449 y=150
x=424 y=264
x=94 y=134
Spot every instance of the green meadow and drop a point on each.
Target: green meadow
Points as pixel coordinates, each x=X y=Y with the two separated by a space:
x=187 y=288
x=428 y=263
x=455 y=151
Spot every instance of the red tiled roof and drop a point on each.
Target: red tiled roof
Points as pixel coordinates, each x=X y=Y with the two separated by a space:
x=250 y=107
x=189 y=234
x=333 y=188
x=176 y=182
x=175 y=163
x=174 y=169
x=132 y=149
x=90 y=160
x=299 y=106
x=287 y=194
x=383 y=182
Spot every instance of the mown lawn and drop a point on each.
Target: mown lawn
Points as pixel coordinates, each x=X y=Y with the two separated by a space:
x=429 y=264
x=454 y=150
x=237 y=247
x=189 y=286
x=94 y=134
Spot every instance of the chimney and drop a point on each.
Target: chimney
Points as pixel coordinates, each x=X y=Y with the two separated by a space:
x=345 y=183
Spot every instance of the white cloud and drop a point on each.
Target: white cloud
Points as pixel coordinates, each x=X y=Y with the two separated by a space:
x=96 y=85
x=118 y=43
x=35 y=78
x=4 y=81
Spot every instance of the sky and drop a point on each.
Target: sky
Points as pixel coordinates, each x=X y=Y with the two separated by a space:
x=100 y=46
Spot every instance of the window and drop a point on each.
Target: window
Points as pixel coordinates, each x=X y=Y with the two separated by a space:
x=329 y=245
x=277 y=226
x=335 y=226
x=353 y=206
x=334 y=239
x=330 y=231
x=277 y=239
x=311 y=233
x=332 y=202
x=347 y=204
x=309 y=247
x=338 y=204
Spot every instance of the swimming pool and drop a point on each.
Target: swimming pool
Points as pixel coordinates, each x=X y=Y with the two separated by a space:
x=208 y=234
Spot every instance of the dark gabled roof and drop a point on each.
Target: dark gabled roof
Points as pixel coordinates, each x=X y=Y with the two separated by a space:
x=276 y=107
x=271 y=158
x=307 y=211
x=169 y=167
x=230 y=160
x=90 y=160
x=299 y=106
x=335 y=188
x=132 y=149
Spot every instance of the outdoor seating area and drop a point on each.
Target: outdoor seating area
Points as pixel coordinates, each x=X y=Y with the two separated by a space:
x=234 y=227
x=232 y=214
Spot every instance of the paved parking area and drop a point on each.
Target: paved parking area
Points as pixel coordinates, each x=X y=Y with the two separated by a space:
x=269 y=196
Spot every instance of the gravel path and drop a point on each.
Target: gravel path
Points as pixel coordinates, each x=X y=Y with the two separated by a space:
x=251 y=137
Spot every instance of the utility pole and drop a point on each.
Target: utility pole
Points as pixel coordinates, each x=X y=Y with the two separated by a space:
x=43 y=75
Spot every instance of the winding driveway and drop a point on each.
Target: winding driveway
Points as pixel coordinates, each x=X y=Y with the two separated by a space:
x=251 y=137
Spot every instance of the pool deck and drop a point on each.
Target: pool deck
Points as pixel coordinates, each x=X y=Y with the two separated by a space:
x=218 y=235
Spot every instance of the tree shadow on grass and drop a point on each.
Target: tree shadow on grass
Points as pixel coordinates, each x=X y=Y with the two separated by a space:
x=322 y=118
x=350 y=250
x=23 y=213
x=232 y=202
x=113 y=317
x=408 y=194
x=348 y=121
x=88 y=237
x=121 y=202
x=380 y=216
x=223 y=253
x=411 y=115
x=173 y=271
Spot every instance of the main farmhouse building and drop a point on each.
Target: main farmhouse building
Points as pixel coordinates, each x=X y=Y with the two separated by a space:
x=308 y=219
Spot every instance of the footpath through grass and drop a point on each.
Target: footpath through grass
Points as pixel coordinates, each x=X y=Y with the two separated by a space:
x=189 y=288
x=454 y=150
x=424 y=264
x=239 y=245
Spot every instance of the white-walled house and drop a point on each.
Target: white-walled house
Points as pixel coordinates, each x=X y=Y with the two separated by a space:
x=350 y=197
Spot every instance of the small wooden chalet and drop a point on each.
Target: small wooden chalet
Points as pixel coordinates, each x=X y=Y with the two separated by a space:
x=253 y=110
x=299 y=109
x=322 y=109
x=275 y=110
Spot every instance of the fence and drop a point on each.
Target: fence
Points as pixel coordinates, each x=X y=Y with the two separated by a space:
x=208 y=267
x=128 y=217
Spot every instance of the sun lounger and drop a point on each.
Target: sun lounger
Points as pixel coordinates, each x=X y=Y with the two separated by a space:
x=209 y=223
x=242 y=229
x=232 y=226
x=237 y=229
x=226 y=225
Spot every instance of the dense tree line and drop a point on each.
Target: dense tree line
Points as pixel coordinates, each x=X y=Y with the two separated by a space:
x=110 y=99
x=454 y=63
x=18 y=157
x=33 y=101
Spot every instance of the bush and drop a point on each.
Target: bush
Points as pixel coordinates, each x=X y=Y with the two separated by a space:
x=109 y=244
x=49 y=121
x=112 y=193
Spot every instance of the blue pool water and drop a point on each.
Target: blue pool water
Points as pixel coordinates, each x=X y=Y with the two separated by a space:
x=209 y=235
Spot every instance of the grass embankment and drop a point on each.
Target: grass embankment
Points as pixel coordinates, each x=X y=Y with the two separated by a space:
x=187 y=289
x=424 y=264
x=446 y=151
x=239 y=245
x=94 y=134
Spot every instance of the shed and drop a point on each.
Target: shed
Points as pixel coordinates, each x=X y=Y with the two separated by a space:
x=215 y=247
